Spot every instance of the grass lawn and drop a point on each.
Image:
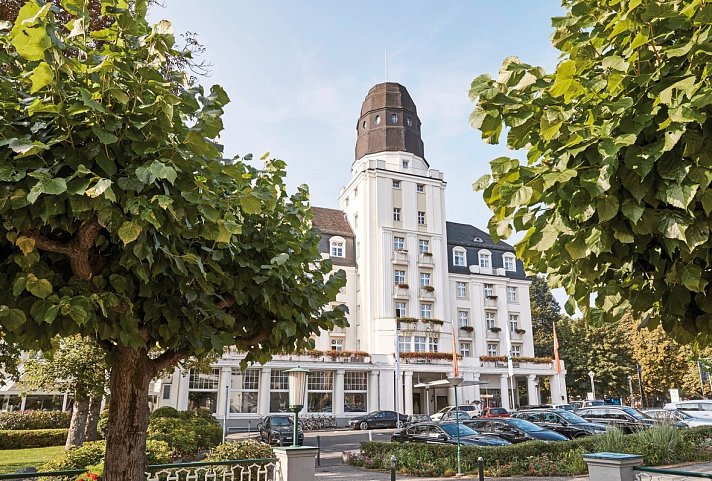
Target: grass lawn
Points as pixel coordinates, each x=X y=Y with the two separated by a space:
x=12 y=459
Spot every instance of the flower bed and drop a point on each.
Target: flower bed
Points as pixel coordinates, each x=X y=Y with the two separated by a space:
x=426 y=355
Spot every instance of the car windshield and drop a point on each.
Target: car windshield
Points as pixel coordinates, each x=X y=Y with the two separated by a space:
x=635 y=413
x=572 y=418
x=451 y=429
x=681 y=414
x=281 y=421
x=524 y=425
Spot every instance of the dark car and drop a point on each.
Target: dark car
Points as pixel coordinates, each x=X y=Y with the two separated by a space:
x=496 y=412
x=279 y=430
x=561 y=421
x=514 y=430
x=445 y=433
x=418 y=418
x=626 y=418
x=378 y=419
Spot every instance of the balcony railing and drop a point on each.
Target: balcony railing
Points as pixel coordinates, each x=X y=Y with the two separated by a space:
x=400 y=256
x=426 y=258
x=491 y=301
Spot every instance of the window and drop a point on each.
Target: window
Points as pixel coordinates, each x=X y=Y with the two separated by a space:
x=419 y=343
x=202 y=381
x=490 y=319
x=426 y=311
x=433 y=344
x=244 y=387
x=355 y=221
x=492 y=349
x=461 y=290
x=401 y=309
x=337 y=344
x=423 y=246
x=465 y=349
x=513 y=322
x=378 y=119
x=489 y=290
x=355 y=191
x=458 y=257
x=166 y=391
x=516 y=350
x=396 y=213
x=419 y=188
x=320 y=387
x=399 y=277
x=509 y=263
x=424 y=279
x=337 y=247
x=346 y=201
x=398 y=243
x=404 y=344
x=405 y=164
x=278 y=391
x=409 y=121
x=511 y=294
x=396 y=184
x=463 y=318
x=421 y=217
x=355 y=391
x=485 y=260
x=478 y=239
x=394 y=118
x=202 y=390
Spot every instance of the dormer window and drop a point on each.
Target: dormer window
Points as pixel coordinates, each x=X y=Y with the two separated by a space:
x=509 y=263
x=478 y=239
x=337 y=247
x=458 y=257
x=485 y=259
x=405 y=164
x=396 y=184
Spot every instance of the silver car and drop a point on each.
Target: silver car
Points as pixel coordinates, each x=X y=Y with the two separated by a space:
x=675 y=416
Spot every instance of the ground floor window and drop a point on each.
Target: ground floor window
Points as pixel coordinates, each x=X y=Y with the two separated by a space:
x=11 y=402
x=355 y=392
x=279 y=391
x=320 y=389
x=203 y=400
x=244 y=388
x=203 y=390
x=44 y=402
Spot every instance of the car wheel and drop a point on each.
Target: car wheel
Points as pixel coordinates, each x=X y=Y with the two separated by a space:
x=399 y=424
x=363 y=426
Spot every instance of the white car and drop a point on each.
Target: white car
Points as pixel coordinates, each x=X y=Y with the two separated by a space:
x=471 y=409
x=700 y=408
x=677 y=416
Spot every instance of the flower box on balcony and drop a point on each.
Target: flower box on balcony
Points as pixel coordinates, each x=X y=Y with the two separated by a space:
x=428 y=288
x=436 y=322
x=469 y=329
x=495 y=329
x=402 y=286
x=520 y=331
x=491 y=296
x=427 y=254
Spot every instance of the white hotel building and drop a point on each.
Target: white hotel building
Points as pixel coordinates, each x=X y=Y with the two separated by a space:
x=402 y=260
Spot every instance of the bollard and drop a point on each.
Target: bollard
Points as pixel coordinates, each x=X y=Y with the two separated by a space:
x=249 y=426
x=318 y=453
x=481 y=468
x=393 y=467
x=370 y=435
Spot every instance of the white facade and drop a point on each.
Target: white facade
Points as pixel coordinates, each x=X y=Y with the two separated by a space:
x=402 y=259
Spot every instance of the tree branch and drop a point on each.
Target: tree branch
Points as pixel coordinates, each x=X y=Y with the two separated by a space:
x=167 y=359
x=45 y=244
x=245 y=344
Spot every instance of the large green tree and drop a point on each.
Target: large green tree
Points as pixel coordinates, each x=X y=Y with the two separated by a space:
x=545 y=313
x=615 y=193
x=121 y=221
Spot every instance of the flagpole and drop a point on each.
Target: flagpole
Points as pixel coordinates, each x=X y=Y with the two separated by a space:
x=398 y=389
x=557 y=363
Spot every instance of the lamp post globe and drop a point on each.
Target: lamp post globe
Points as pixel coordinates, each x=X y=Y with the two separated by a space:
x=297 y=380
x=593 y=386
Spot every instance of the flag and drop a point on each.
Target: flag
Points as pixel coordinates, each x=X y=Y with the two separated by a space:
x=557 y=362
x=510 y=364
x=455 y=368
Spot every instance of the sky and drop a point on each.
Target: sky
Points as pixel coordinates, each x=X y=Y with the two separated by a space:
x=297 y=73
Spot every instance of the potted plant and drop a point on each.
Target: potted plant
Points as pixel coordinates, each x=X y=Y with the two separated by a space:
x=428 y=288
x=433 y=321
x=491 y=296
x=469 y=329
x=520 y=331
x=427 y=254
x=402 y=285
x=495 y=329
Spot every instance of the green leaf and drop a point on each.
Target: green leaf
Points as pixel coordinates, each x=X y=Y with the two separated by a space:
x=104 y=136
x=41 y=288
x=54 y=186
x=129 y=232
x=563 y=79
x=279 y=259
x=12 y=319
x=251 y=205
x=88 y=101
x=99 y=188
x=162 y=171
x=607 y=208
x=632 y=210
x=31 y=41
x=692 y=278
x=26 y=244
x=481 y=183
x=503 y=165
x=41 y=76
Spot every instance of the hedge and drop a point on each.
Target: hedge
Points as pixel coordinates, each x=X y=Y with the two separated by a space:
x=32 y=438
x=659 y=445
x=35 y=420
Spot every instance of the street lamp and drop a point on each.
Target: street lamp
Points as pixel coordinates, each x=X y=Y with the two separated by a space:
x=630 y=388
x=454 y=382
x=297 y=390
x=593 y=387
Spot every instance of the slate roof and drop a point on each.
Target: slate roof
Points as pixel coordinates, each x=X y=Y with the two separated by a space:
x=331 y=221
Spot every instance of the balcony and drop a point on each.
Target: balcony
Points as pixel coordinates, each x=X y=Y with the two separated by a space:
x=517 y=334
x=427 y=292
x=401 y=290
x=500 y=362
x=400 y=256
x=466 y=332
x=491 y=301
x=426 y=259
x=493 y=332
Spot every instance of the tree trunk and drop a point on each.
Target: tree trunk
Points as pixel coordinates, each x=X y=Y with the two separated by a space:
x=90 y=431
x=78 y=423
x=131 y=374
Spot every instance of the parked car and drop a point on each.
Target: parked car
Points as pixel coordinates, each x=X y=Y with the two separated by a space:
x=279 y=430
x=561 y=421
x=378 y=419
x=700 y=408
x=592 y=402
x=473 y=410
x=626 y=418
x=567 y=407
x=418 y=418
x=452 y=415
x=445 y=433
x=496 y=412
x=678 y=417
x=514 y=430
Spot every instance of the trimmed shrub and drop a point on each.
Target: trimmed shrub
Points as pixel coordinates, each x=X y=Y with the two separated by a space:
x=165 y=412
x=92 y=453
x=32 y=438
x=34 y=420
x=187 y=434
x=103 y=423
x=249 y=449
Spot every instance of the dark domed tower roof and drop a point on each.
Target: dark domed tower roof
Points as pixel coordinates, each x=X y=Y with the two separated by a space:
x=388 y=122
